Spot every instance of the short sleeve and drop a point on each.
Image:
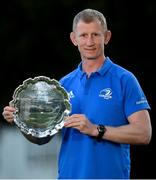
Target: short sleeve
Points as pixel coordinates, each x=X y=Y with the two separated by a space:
x=134 y=97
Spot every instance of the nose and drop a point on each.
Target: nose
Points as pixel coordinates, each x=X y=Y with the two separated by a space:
x=90 y=41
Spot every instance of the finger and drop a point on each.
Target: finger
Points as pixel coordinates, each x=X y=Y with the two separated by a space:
x=71 y=119
x=10 y=120
x=75 y=123
x=76 y=116
x=8 y=115
x=70 y=123
x=9 y=108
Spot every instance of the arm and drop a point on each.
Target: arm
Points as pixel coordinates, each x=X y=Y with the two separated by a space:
x=138 y=131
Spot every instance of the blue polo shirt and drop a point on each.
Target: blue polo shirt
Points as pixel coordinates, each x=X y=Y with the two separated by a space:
x=107 y=97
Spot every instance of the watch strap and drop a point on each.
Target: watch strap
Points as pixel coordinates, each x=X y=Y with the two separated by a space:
x=101 y=131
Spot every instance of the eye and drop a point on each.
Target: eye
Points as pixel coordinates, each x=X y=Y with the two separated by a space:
x=96 y=34
x=83 y=35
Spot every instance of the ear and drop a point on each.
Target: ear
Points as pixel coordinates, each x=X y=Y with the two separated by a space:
x=73 y=38
x=107 y=36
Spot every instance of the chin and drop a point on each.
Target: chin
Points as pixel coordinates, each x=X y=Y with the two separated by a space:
x=91 y=58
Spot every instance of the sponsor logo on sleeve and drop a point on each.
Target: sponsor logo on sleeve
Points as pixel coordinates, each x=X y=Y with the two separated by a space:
x=143 y=100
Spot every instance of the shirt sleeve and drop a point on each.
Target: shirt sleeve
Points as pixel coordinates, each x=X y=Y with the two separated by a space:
x=134 y=97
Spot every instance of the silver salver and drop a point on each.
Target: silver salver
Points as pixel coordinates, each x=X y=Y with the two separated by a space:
x=41 y=105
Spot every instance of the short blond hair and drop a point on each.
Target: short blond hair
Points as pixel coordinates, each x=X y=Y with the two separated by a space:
x=90 y=15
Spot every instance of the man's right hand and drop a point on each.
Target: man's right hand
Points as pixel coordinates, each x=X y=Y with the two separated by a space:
x=8 y=113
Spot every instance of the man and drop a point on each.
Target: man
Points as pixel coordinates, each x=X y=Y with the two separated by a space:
x=109 y=108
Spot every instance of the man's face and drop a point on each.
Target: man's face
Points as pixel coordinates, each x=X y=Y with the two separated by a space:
x=90 y=38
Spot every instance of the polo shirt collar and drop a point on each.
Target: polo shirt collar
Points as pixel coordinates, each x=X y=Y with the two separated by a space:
x=101 y=71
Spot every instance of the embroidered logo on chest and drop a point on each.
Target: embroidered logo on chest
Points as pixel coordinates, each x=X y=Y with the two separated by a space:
x=106 y=93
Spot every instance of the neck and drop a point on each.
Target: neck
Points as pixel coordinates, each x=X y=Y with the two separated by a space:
x=90 y=66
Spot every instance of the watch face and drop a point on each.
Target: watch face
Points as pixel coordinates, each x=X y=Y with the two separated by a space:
x=101 y=130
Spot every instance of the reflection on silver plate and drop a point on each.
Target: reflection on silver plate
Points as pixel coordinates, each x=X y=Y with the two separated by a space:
x=41 y=105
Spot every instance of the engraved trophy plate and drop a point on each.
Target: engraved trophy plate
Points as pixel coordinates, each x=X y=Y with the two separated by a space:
x=41 y=105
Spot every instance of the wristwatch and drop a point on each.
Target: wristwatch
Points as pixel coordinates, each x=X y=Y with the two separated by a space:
x=101 y=131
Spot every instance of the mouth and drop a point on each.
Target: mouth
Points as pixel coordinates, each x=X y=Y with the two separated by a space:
x=90 y=49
